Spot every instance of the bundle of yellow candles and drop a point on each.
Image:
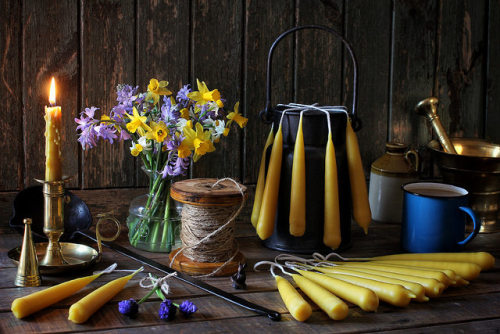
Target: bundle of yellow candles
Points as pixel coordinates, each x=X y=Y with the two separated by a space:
x=80 y=311
x=266 y=193
x=394 y=279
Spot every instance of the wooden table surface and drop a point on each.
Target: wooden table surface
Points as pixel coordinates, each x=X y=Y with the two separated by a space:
x=474 y=308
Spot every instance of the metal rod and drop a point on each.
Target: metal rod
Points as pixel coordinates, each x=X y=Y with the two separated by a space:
x=273 y=315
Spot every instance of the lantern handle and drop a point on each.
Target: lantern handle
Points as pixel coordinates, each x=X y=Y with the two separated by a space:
x=266 y=113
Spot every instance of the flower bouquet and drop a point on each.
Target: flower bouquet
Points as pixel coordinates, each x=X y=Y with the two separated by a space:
x=166 y=132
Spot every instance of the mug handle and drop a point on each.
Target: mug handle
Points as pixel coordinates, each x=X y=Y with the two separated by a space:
x=477 y=226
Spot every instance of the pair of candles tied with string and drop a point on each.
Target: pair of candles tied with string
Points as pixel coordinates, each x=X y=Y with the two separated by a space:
x=394 y=279
x=267 y=190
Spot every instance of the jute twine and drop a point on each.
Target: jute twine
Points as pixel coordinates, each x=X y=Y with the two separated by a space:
x=207 y=233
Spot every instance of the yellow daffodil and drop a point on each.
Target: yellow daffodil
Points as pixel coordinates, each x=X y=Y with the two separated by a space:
x=203 y=95
x=185 y=113
x=157 y=88
x=158 y=131
x=137 y=123
x=237 y=117
x=136 y=149
x=198 y=140
x=183 y=150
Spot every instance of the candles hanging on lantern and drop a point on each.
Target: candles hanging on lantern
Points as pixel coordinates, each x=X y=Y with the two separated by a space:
x=331 y=230
x=265 y=225
x=298 y=189
x=261 y=180
x=53 y=125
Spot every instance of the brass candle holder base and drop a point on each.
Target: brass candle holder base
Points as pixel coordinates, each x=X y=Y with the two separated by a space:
x=53 y=220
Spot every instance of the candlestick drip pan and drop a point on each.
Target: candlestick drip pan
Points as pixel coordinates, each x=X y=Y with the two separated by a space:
x=77 y=256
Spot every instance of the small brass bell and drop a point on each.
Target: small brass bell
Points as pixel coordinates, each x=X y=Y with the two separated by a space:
x=27 y=271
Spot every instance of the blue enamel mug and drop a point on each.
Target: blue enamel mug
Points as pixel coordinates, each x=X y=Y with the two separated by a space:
x=434 y=217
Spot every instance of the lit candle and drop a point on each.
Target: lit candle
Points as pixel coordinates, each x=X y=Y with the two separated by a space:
x=298 y=188
x=259 y=189
x=265 y=225
x=359 y=194
x=331 y=229
x=81 y=311
x=53 y=138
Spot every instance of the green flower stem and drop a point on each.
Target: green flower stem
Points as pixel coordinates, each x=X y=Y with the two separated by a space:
x=143 y=299
x=166 y=222
x=153 y=240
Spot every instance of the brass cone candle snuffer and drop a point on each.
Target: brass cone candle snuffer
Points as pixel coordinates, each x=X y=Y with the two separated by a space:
x=27 y=271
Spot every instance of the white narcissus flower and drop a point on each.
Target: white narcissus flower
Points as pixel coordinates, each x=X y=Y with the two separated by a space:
x=145 y=143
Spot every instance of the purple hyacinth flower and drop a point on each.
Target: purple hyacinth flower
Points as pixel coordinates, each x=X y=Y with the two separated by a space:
x=126 y=95
x=182 y=94
x=129 y=307
x=87 y=138
x=187 y=308
x=106 y=132
x=167 y=310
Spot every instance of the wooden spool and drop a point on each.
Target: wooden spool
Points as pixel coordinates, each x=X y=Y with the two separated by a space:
x=199 y=192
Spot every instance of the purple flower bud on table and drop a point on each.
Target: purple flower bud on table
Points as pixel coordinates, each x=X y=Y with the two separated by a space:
x=128 y=307
x=167 y=310
x=187 y=308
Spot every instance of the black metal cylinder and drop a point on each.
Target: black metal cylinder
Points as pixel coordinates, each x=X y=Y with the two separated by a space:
x=315 y=130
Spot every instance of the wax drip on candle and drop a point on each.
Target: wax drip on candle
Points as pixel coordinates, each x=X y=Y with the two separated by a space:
x=297 y=216
x=331 y=229
x=259 y=190
x=267 y=215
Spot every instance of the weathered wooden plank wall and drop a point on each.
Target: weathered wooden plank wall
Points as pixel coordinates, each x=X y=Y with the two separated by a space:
x=407 y=50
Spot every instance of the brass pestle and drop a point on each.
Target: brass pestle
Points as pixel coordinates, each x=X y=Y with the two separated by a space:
x=428 y=108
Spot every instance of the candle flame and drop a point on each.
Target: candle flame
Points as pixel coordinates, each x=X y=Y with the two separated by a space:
x=52 y=94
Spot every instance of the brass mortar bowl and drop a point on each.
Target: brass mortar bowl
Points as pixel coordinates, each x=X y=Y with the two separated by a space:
x=476 y=168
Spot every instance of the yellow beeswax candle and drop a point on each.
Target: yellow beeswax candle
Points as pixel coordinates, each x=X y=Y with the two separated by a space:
x=333 y=306
x=24 y=306
x=259 y=189
x=331 y=228
x=298 y=188
x=433 y=287
x=53 y=124
x=267 y=215
x=365 y=298
x=393 y=294
x=81 y=311
x=483 y=259
x=467 y=270
x=295 y=304
x=416 y=288
x=445 y=276
x=359 y=194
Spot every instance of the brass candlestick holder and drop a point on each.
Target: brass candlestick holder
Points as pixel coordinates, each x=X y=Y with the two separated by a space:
x=53 y=221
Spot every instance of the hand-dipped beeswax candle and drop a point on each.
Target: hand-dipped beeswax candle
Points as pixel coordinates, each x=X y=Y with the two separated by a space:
x=261 y=181
x=81 y=311
x=53 y=122
x=265 y=225
x=359 y=194
x=331 y=230
x=297 y=216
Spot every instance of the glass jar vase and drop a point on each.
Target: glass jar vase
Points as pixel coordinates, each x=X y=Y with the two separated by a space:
x=154 y=218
